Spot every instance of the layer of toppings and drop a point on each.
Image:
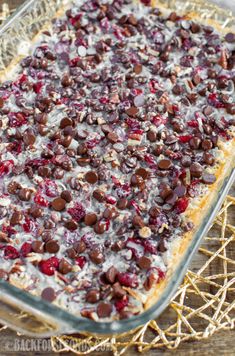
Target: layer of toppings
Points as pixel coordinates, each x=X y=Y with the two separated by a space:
x=109 y=131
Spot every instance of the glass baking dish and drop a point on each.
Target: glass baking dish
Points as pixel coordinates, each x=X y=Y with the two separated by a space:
x=32 y=316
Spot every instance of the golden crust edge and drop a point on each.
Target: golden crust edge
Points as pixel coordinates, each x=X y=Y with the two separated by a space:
x=196 y=216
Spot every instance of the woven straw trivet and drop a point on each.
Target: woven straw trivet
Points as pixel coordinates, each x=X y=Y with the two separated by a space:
x=203 y=304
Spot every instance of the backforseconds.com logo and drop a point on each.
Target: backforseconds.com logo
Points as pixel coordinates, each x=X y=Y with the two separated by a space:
x=44 y=345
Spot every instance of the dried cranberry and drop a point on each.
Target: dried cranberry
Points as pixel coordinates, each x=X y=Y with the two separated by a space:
x=25 y=249
x=10 y=253
x=49 y=266
x=40 y=200
x=6 y=167
x=128 y=279
x=181 y=205
x=80 y=261
x=122 y=303
x=77 y=212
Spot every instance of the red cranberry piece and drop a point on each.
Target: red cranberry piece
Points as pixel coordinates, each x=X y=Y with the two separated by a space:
x=6 y=167
x=121 y=304
x=25 y=249
x=10 y=253
x=49 y=266
x=38 y=199
x=80 y=261
x=128 y=279
x=77 y=212
x=181 y=205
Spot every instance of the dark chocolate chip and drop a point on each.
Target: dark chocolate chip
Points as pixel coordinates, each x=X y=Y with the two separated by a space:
x=164 y=164
x=104 y=309
x=48 y=294
x=93 y=296
x=90 y=219
x=67 y=196
x=91 y=177
x=144 y=262
x=58 y=204
x=65 y=267
x=52 y=246
x=111 y=274
x=37 y=246
x=71 y=225
x=196 y=170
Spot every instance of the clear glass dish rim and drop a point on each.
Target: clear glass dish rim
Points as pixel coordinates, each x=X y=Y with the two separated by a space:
x=69 y=323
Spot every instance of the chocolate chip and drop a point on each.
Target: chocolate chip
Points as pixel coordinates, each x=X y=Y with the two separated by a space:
x=111 y=274
x=137 y=221
x=180 y=191
x=13 y=187
x=110 y=213
x=35 y=211
x=65 y=267
x=67 y=196
x=207 y=145
x=165 y=191
x=112 y=137
x=52 y=246
x=1 y=103
x=171 y=198
x=142 y=172
x=136 y=180
x=71 y=253
x=25 y=194
x=122 y=203
x=46 y=236
x=177 y=89
x=44 y=172
x=79 y=246
x=91 y=177
x=195 y=142
x=149 y=282
x=48 y=294
x=138 y=68
x=58 y=204
x=96 y=256
x=16 y=218
x=37 y=246
x=164 y=164
x=71 y=225
x=208 y=178
x=132 y=111
x=29 y=139
x=186 y=161
x=104 y=309
x=98 y=195
x=230 y=37
x=144 y=262
x=66 y=121
x=154 y=211
x=196 y=170
x=90 y=219
x=100 y=227
x=3 y=237
x=118 y=291
x=92 y=296
x=195 y=28
x=161 y=246
x=152 y=136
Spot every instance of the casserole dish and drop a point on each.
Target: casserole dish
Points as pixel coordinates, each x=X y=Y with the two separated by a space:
x=62 y=321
